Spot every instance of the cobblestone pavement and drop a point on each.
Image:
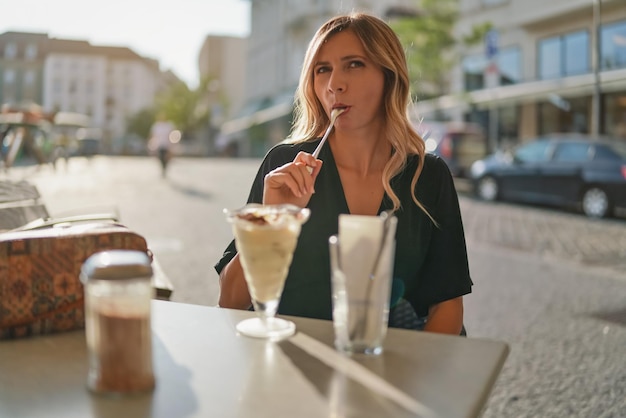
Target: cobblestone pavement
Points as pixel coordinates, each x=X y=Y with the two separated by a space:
x=548 y=233
x=550 y=283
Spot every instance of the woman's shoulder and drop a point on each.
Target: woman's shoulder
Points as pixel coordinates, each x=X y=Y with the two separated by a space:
x=433 y=165
x=285 y=152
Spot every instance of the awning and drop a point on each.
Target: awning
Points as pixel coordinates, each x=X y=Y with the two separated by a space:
x=258 y=117
x=573 y=86
x=59 y=119
x=72 y=119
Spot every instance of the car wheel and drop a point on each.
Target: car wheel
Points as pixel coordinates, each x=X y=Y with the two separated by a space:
x=595 y=203
x=487 y=188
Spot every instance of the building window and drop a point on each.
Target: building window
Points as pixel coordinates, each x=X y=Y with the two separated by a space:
x=474 y=72
x=564 y=55
x=31 y=52
x=9 y=76
x=613 y=46
x=510 y=66
x=553 y=119
x=89 y=87
x=508 y=125
x=614 y=114
x=576 y=59
x=29 y=78
x=57 y=86
x=550 y=58
x=10 y=51
x=508 y=60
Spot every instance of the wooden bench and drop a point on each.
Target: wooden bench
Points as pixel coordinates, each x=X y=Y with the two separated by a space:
x=160 y=281
x=21 y=208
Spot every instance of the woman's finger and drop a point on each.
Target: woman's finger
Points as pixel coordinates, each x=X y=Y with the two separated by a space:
x=309 y=160
x=304 y=177
x=289 y=176
x=280 y=179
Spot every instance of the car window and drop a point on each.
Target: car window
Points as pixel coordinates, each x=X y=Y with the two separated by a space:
x=615 y=151
x=533 y=152
x=571 y=152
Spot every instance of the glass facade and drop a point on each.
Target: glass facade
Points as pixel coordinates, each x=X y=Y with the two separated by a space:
x=564 y=55
x=576 y=57
x=510 y=65
x=507 y=125
x=614 y=115
x=573 y=119
x=546 y=108
x=508 y=60
x=613 y=46
x=549 y=54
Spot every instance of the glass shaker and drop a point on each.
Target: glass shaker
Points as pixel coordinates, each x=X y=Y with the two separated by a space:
x=118 y=293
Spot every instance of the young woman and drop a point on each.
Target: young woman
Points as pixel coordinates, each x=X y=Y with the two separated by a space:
x=373 y=161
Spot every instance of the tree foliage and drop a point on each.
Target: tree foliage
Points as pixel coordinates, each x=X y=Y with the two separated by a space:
x=183 y=106
x=139 y=124
x=188 y=109
x=430 y=44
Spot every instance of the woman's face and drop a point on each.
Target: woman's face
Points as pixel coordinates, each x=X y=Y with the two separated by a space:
x=343 y=76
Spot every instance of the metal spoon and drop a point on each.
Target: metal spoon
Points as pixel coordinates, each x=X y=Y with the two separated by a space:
x=333 y=116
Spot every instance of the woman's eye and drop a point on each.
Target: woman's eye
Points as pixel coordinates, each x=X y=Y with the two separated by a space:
x=356 y=64
x=320 y=70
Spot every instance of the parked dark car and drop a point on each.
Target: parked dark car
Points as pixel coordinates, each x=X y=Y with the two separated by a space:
x=459 y=144
x=565 y=170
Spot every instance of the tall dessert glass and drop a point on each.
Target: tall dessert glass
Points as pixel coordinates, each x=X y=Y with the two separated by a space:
x=266 y=237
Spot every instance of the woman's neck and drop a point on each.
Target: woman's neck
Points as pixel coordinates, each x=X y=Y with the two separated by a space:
x=363 y=154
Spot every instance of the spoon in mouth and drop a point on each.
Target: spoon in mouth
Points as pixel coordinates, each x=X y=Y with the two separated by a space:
x=333 y=116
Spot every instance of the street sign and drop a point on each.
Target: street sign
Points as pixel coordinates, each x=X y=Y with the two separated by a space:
x=491 y=43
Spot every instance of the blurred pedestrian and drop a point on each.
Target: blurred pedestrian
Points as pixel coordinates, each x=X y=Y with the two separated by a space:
x=160 y=141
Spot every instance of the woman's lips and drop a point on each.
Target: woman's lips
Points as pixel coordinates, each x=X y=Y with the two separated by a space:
x=345 y=109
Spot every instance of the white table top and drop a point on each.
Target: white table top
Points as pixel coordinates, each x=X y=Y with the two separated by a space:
x=204 y=369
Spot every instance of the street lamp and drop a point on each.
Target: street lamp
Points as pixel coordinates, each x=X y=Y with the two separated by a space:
x=595 y=57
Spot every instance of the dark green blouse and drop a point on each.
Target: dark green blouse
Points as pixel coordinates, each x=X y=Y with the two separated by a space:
x=431 y=263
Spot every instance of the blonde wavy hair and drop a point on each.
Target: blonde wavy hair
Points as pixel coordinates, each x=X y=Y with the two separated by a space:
x=383 y=47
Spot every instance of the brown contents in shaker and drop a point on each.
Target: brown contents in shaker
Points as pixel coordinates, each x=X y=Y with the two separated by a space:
x=124 y=353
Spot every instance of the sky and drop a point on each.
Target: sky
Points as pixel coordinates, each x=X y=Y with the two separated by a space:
x=170 y=31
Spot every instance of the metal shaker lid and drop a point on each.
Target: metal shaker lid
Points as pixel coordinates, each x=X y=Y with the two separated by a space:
x=116 y=265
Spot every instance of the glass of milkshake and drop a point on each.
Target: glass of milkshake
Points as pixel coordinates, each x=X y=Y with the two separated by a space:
x=266 y=237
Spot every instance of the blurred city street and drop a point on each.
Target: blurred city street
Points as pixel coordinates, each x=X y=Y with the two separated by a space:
x=551 y=283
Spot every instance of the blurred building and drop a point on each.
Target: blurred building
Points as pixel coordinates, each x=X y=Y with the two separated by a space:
x=280 y=31
x=540 y=69
x=21 y=67
x=107 y=83
x=222 y=60
x=535 y=73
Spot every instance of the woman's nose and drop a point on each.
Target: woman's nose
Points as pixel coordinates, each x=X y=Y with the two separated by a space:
x=336 y=83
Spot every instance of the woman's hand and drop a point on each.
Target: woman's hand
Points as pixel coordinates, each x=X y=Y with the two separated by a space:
x=292 y=182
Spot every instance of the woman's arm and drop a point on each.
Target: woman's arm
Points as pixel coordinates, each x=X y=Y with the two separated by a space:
x=287 y=183
x=233 y=288
x=446 y=317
